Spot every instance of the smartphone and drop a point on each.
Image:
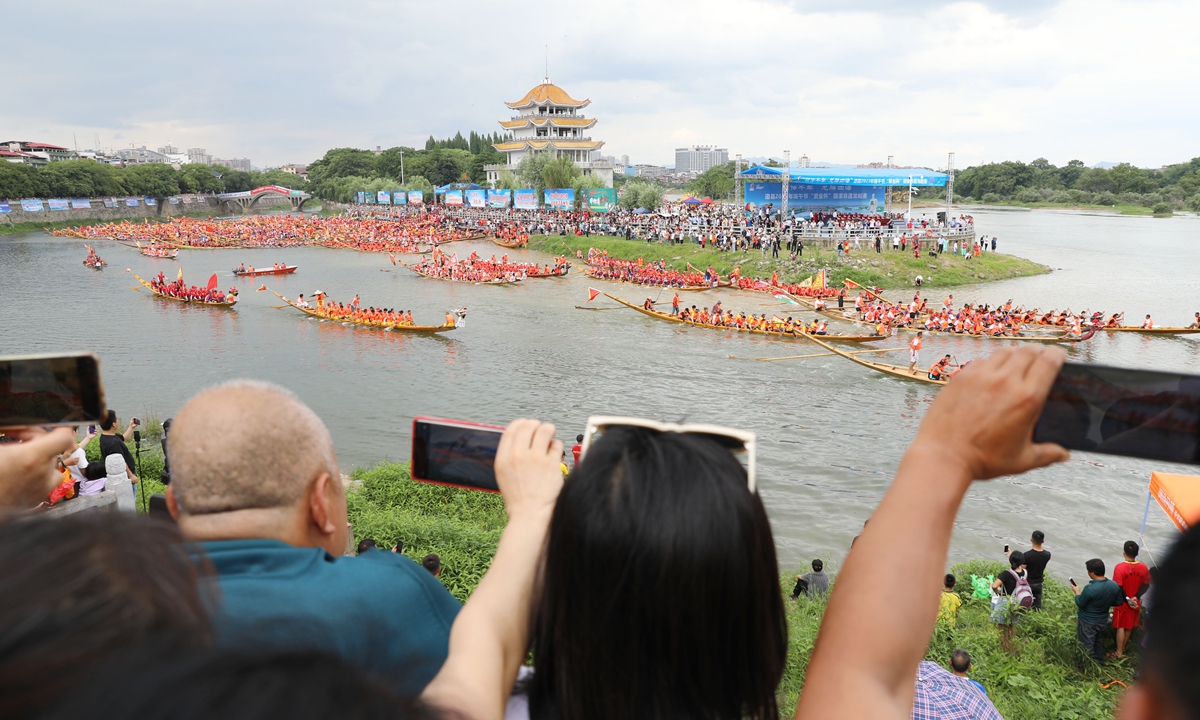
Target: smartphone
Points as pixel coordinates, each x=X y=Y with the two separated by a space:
x=457 y=453
x=1137 y=413
x=91 y=429
x=48 y=390
x=1072 y=581
x=1006 y=548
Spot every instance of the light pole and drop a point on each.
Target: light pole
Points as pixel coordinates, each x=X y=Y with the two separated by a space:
x=401 y=167
x=909 y=215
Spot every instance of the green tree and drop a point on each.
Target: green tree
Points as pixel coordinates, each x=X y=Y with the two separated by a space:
x=390 y=162
x=237 y=180
x=416 y=182
x=1128 y=178
x=640 y=193
x=342 y=162
x=560 y=172
x=716 y=182
x=18 y=180
x=529 y=172
x=581 y=184
x=81 y=178
x=1069 y=174
x=507 y=181
x=194 y=178
x=151 y=179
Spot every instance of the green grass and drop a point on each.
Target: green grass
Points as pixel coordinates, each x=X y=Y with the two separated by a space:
x=1119 y=208
x=889 y=269
x=1039 y=680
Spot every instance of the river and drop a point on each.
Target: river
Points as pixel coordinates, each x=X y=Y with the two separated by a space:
x=830 y=433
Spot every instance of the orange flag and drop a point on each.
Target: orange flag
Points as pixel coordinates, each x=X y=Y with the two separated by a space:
x=592 y=293
x=180 y=276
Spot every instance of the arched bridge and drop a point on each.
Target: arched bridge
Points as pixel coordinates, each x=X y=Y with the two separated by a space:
x=247 y=199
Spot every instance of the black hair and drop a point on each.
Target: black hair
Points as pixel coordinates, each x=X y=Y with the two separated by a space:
x=960 y=660
x=366 y=544
x=110 y=419
x=949 y=581
x=1096 y=567
x=579 y=438
x=660 y=586
x=95 y=471
x=431 y=562
x=1016 y=559
x=232 y=685
x=817 y=565
x=80 y=589
x=1038 y=537
x=1173 y=632
x=1131 y=549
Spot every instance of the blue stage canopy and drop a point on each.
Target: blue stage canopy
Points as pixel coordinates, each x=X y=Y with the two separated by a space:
x=920 y=177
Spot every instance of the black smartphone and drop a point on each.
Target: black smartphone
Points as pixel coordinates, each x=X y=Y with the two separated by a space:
x=457 y=453
x=48 y=390
x=1072 y=581
x=1005 y=548
x=91 y=429
x=1137 y=413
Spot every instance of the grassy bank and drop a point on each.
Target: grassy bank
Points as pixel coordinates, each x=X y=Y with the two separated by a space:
x=1038 y=681
x=889 y=269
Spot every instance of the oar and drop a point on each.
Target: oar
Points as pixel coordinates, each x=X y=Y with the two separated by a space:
x=812 y=355
x=580 y=307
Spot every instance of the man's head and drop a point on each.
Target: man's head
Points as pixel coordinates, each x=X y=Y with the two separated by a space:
x=1095 y=567
x=949 y=581
x=960 y=661
x=366 y=544
x=579 y=438
x=1131 y=550
x=817 y=565
x=249 y=460
x=1038 y=537
x=110 y=421
x=432 y=563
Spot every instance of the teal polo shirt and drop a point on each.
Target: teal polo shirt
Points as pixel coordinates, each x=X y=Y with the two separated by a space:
x=1096 y=598
x=380 y=612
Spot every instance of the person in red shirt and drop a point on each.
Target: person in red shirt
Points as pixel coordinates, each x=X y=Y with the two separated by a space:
x=1134 y=579
x=578 y=446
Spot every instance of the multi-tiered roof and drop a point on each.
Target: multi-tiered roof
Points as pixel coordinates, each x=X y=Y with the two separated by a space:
x=548 y=119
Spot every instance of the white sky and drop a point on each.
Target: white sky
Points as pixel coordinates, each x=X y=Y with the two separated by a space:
x=275 y=81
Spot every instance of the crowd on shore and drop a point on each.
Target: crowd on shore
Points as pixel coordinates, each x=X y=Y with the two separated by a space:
x=657 y=555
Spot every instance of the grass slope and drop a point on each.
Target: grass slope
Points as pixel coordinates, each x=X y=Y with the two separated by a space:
x=887 y=269
x=1039 y=681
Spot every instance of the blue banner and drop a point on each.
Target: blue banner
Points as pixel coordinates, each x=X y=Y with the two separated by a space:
x=360 y=198
x=454 y=197
x=132 y=202
x=850 y=198
x=4 y=207
x=399 y=197
x=384 y=197
x=31 y=205
x=416 y=197
x=499 y=198
x=477 y=198
x=81 y=203
x=561 y=198
x=525 y=199
x=58 y=204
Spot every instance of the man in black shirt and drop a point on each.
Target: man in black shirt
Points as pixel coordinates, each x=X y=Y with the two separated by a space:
x=113 y=444
x=1035 y=565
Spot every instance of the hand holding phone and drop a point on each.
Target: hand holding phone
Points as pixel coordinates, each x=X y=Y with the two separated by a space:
x=1072 y=581
x=50 y=390
x=528 y=468
x=1005 y=548
x=136 y=422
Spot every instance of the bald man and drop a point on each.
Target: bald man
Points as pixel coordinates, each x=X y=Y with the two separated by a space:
x=255 y=481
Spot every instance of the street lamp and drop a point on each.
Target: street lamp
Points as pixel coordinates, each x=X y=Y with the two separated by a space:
x=910 y=191
x=401 y=167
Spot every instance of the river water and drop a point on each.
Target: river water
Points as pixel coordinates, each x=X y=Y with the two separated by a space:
x=830 y=433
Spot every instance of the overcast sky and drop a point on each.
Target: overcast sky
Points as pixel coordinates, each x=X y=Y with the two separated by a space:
x=1097 y=80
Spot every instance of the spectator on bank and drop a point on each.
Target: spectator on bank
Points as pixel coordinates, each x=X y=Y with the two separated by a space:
x=950 y=601
x=960 y=665
x=112 y=443
x=165 y=476
x=1004 y=611
x=1093 y=602
x=1134 y=579
x=398 y=548
x=659 y=557
x=364 y=545
x=256 y=484
x=578 y=446
x=940 y=694
x=1036 y=560
x=76 y=459
x=814 y=584
x=433 y=564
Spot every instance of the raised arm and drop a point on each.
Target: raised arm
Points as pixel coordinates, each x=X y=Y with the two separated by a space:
x=490 y=636
x=27 y=469
x=866 y=656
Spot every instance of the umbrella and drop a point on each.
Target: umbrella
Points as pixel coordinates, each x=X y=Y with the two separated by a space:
x=693 y=201
x=640 y=211
x=941 y=695
x=707 y=201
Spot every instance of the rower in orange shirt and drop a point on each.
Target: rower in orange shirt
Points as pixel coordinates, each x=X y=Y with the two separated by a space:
x=914 y=352
x=1149 y=324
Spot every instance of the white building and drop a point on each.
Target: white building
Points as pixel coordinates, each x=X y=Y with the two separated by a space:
x=699 y=158
x=548 y=120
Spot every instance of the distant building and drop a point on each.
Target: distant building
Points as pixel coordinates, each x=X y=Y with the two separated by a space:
x=649 y=171
x=21 y=157
x=242 y=164
x=699 y=158
x=199 y=156
x=294 y=169
x=50 y=153
x=625 y=160
x=804 y=161
x=169 y=149
x=549 y=121
x=140 y=156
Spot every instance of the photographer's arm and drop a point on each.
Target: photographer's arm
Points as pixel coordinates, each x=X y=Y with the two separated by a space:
x=491 y=633
x=871 y=640
x=27 y=468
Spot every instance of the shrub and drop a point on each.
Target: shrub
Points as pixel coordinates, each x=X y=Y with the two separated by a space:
x=1106 y=198
x=991 y=197
x=1193 y=203
x=1162 y=208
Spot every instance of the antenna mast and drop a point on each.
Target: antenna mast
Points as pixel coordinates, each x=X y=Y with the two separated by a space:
x=547 y=78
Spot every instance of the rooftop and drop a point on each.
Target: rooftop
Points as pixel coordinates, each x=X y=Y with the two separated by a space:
x=547 y=94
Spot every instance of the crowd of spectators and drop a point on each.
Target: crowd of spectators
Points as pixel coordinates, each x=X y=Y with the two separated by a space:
x=645 y=586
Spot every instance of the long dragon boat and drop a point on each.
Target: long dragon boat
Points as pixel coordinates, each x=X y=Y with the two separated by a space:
x=1152 y=331
x=899 y=371
x=285 y=270
x=227 y=304
x=684 y=288
x=398 y=327
x=772 y=333
x=1060 y=338
x=510 y=244
x=494 y=281
x=552 y=272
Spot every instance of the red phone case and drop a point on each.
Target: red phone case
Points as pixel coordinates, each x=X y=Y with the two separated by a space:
x=448 y=421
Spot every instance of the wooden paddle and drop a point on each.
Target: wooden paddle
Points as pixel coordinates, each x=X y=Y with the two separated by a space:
x=812 y=355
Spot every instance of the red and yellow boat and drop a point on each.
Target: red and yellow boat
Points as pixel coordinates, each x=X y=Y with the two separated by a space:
x=226 y=304
x=255 y=272
x=398 y=327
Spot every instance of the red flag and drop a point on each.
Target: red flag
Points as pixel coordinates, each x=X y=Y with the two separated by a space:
x=851 y=283
x=264 y=287
x=212 y=282
x=592 y=293
x=393 y=257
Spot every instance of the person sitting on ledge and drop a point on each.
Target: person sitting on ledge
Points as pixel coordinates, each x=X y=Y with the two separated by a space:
x=256 y=483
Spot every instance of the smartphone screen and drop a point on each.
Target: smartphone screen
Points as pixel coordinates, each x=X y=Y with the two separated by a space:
x=455 y=452
x=1137 y=413
x=39 y=390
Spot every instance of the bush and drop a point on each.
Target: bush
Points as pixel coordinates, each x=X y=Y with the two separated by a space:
x=1106 y=198
x=1162 y=208
x=1193 y=203
x=991 y=197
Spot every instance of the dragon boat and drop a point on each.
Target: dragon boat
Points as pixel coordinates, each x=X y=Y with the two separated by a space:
x=426 y=329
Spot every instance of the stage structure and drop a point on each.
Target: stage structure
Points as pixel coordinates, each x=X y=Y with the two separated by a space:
x=859 y=190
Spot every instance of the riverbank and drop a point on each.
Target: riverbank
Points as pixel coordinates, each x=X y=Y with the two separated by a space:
x=888 y=269
x=1037 y=681
x=1118 y=209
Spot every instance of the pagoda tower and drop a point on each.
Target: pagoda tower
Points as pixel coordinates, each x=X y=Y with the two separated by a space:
x=548 y=120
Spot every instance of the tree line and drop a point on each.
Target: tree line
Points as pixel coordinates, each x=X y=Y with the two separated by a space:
x=88 y=178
